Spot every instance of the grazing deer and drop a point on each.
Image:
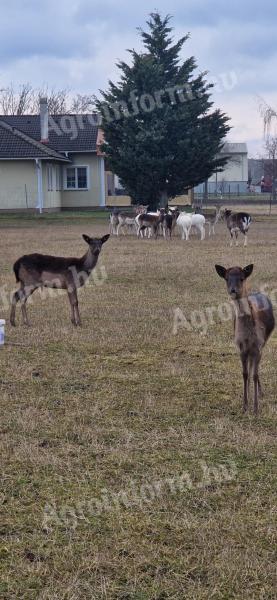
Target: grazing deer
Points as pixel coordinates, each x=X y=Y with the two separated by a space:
x=254 y=322
x=35 y=271
x=237 y=222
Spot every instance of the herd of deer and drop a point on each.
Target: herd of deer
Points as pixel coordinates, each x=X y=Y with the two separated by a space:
x=254 y=319
x=144 y=223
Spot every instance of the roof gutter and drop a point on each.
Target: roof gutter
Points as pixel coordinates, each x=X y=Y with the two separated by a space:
x=40 y=203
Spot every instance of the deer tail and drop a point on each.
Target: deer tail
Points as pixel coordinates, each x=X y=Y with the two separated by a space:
x=16 y=268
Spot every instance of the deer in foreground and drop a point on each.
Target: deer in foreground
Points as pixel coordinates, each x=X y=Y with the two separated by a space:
x=35 y=271
x=254 y=322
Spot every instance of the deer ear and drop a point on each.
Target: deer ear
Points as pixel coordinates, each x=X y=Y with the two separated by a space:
x=105 y=238
x=221 y=271
x=86 y=238
x=248 y=270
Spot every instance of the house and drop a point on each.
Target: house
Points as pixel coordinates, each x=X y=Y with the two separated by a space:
x=50 y=163
x=234 y=177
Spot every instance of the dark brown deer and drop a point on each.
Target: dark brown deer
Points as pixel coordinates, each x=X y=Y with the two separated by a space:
x=237 y=222
x=254 y=322
x=169 y=219
x=35 y=271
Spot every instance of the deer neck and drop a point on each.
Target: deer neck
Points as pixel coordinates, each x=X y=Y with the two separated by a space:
x=89 y=261
x=244 y=322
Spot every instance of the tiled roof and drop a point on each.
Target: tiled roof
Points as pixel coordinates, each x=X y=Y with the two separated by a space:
x=14 y=144
x=67 y=133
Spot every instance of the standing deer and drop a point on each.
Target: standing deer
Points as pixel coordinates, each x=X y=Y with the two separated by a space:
x=170 y=217
x=237 y=222
x=254 y=322
x=212 y=217
x=151 y=221
x=35 y=271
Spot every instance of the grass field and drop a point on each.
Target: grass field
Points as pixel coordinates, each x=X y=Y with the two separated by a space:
x=129 y=470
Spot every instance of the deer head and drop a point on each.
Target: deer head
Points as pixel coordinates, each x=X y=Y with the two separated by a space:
x=235 y=278
x=95 y=244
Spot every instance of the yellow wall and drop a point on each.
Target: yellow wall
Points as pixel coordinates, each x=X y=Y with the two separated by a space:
x=84 y=198
x=51 y=198
x=118 y=201
x=18 y=180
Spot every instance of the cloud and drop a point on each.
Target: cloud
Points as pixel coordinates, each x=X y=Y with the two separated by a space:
x=75 y=44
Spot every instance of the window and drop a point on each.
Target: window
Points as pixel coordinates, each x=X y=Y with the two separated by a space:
x=50 y=178
x=82 y=177
x=70 y=179
x=76 y=178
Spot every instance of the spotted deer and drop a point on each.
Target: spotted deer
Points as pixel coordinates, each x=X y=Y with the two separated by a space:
x=33 y=271
x=254 y=322
x=151 y=221
x=237 y=222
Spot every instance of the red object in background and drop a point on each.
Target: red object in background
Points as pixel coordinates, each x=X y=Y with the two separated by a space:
x=266 y=185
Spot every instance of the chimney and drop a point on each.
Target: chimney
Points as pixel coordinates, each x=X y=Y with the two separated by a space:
x=43 y=120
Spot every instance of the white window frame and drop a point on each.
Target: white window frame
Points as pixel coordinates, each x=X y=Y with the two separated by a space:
x=76 y=188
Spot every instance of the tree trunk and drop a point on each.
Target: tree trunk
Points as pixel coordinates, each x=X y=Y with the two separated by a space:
x=163 y=199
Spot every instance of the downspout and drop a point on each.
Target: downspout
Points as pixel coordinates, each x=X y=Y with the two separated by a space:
x=40 y=187
x=102 y=181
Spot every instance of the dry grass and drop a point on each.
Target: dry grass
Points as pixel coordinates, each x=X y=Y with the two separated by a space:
x=122 y=400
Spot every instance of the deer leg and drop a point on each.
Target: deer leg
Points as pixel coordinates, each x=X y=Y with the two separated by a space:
x=231 y=242
x=236 y=234
x=26 y=293
x=73 y=299
x=260 y=389
x=256 y=363
x=245 y=374
x=15 y=300
x=187 y=232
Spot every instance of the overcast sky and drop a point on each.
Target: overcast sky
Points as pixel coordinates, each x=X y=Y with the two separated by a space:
x=76 y=43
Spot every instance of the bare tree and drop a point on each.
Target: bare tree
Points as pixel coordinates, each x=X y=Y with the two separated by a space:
x=26 y=99
x=16 y=103
x=268 y=114
x=82 y=104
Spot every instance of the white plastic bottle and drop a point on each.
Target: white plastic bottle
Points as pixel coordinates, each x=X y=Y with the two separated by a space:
x=2 y=331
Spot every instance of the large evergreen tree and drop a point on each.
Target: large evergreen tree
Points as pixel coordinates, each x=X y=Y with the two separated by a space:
x=161 y=134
